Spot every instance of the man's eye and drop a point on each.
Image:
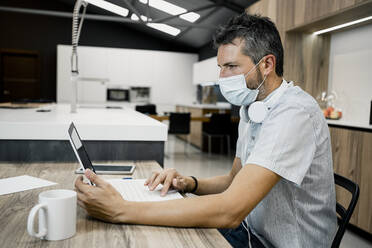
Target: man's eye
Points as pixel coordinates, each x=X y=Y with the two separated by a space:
x=231 y=66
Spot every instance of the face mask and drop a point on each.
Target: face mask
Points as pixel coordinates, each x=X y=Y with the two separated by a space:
x=235 y=90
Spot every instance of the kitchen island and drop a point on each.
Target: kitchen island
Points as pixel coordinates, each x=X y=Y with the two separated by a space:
x=109 y=134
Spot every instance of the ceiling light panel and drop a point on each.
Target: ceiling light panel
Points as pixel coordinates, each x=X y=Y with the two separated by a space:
x=134 y=17
x=165 y=28
x=172 y=9
x=109 y=7
x=191 y=16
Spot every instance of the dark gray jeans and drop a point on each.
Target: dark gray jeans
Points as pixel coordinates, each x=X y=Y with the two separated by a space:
x=238 y=237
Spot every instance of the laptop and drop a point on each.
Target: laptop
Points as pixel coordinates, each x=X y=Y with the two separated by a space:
x=85 y=162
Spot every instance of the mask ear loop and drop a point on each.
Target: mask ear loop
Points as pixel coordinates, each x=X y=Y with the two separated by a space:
x=264 y=76
x=262 y=82
x=253 y=67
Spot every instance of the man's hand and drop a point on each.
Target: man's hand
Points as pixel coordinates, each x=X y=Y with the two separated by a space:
x=101 y=201
x=170 y=179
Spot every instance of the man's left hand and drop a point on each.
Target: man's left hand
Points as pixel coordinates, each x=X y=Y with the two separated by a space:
x=101 y=201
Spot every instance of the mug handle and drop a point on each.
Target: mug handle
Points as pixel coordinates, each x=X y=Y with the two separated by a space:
x=31 y=218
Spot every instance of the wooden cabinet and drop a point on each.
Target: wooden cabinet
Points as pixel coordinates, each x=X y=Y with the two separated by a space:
x=352 y=158
x=19 y=75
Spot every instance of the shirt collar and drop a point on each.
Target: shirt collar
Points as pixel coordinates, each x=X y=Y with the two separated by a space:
x=244 y=109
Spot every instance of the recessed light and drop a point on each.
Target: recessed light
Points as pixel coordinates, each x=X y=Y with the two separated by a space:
x=342 y=25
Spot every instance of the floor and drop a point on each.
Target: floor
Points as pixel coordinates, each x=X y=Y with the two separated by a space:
x=194 y=162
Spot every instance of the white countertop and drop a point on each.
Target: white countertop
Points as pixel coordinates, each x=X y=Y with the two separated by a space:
x=346 y=123
x=221 y=105
x=92 y=124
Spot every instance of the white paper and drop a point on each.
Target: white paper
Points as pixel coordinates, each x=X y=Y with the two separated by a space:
x=134 y=190
x=22 y=183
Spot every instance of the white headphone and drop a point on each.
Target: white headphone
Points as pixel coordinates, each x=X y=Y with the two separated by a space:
x=257 y=111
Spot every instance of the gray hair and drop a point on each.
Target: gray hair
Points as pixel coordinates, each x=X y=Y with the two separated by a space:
x=259 y=34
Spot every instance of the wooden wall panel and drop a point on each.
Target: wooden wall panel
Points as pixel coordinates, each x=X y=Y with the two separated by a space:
x=265 y=8
x=352 y=158
x=346 y=153
x=300 y=10
x=307 y=61
x=365 y=183
x=290 y=13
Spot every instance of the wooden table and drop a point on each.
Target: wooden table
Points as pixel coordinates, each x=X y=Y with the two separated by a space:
x=14 y=210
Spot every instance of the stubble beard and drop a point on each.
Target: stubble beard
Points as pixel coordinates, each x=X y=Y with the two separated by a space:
x=254 y=83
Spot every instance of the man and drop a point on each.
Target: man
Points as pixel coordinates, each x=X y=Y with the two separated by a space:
x=280 y=190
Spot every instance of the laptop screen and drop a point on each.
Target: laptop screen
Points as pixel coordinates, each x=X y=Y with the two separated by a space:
x=78 y=146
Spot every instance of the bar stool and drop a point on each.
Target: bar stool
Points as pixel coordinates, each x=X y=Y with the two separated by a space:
x=218 y=127
x=179 y=123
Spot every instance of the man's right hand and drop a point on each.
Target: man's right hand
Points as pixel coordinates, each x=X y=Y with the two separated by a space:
x=170 y=179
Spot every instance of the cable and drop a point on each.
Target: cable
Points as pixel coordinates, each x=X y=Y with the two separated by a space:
x=245 y=221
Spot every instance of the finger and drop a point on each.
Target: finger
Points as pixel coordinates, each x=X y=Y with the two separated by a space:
x=81 y=197
x=148 y=180
x=152 y=178
x=179 y=183
x=98 y=181
x=167 y=183
x=81 y=204
x=175 y=183
x=157 y=181
x=80 y=185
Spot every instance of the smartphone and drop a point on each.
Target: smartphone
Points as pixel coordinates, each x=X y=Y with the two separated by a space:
x=80 y=152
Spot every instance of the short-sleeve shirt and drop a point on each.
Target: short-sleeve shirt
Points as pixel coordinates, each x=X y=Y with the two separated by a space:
x=293 y=141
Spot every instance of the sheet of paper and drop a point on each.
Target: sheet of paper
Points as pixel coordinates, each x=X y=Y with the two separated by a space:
x=134 y=190
x=22 y=183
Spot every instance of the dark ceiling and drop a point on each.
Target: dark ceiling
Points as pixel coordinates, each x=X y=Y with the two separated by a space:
x=212 y=14
x=193 y=35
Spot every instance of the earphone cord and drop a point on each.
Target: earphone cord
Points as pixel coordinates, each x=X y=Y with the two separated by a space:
x=247 y=229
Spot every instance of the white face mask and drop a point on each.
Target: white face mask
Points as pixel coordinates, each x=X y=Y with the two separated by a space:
x=235 y=90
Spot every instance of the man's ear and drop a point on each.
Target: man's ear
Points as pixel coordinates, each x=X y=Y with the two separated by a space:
x=268 y=64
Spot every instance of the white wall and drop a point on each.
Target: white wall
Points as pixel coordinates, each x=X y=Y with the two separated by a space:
x=206 y=71
x=350 y=74
x=169 y=74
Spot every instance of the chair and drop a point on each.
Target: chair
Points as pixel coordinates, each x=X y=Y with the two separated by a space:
x=179 y=123
x=149 y=109
x=345 y=214
x=218 y=127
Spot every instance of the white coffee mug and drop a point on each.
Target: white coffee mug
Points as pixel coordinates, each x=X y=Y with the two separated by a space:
x=57 y=215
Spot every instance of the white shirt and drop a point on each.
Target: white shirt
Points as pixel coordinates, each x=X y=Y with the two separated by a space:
x=293 y=141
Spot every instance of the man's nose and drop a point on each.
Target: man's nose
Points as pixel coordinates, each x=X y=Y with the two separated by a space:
x=223 y=73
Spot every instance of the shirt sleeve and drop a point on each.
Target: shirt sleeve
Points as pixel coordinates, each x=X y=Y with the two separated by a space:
x=286 y=143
